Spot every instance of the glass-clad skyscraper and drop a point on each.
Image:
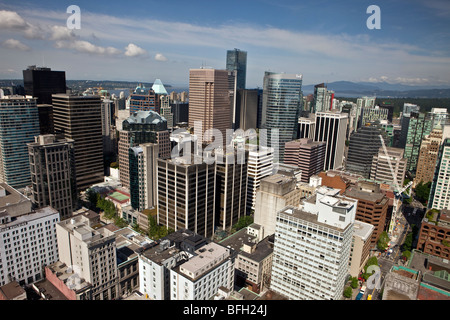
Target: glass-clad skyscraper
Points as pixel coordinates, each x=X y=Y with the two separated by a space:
x=237 y=61
x=19 y=124
x=282 y=103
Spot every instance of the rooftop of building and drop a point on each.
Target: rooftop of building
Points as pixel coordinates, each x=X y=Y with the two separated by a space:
x=79 y=226
x=48 y=291
x=237 y=240
x=306 y=216
x=366 y=193
x=10 y=196
x=362 y=229
x=68 y=275
x=168 y=246
x=435 y=270
x=119 y=196
x=207 y=257
x=11 y=290
x=278 y=179
x=130 y=243
x=145 y=117
x=158 y=87
x=28 y=217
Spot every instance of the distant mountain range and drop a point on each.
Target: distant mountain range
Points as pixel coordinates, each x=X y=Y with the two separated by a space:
x=382 y=90
x=341 y=88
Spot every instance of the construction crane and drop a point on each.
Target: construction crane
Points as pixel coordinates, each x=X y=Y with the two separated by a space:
x=398 y=191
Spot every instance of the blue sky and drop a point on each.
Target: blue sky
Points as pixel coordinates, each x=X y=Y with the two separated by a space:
x=145 y=40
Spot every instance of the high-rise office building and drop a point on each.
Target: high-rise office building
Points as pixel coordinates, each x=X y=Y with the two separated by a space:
x=237 y=61
x=231 y=186
x=389 y=168
x=312 y=247
x=209 y=103
x=404 y=122
x=108 y=119
x=282 y=102
x=42 y=82
x=440 y=192
x=144 y=99
x=186 y=195
x=331 y=127
x=372 y=206
x=366 y=102
x=319 y=98
x=260 y=165
x=237 y=68
x=306 y=154
x=52 y=167
x=91 y=253
x=306 y=127
x=247 y=102
x=28 y=242
x=428 y=153
x=275 y=192
x=363 y=145
x=79 y=118
x=420 y=125
x=370 y=115
x=143 y=176
x=166 y=111
x=19 y=124
x=141 y=127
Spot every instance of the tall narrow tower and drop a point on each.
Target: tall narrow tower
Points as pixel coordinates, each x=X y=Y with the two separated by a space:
x=79 y=118
x=209 y=102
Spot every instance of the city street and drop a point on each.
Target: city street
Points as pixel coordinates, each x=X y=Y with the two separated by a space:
x=411 y=215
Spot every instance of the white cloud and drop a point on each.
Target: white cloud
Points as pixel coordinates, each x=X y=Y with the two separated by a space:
x=10 y=20
x=62 y=33
x=133 y=50
x=15 y=44
x=87 y=47
x=160 y=57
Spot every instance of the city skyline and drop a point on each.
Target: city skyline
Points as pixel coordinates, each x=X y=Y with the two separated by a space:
x=324 y=41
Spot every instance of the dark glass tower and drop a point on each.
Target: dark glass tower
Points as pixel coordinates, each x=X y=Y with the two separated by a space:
x=237 y=61
x=41 y=83
x=363 y=145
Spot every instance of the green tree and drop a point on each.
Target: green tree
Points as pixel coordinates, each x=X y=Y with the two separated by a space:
x=156 y=231
x=348 y=292
x=354 y=282
x=383 y=241
x=406 y=254
x=422 y=191
x=407 y=244
x=243 y=222
x=92 y=197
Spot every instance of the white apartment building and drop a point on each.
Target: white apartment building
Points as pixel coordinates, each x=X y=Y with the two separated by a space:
x=154 y=270
x=260 y=165
x=184 y=266
x=27 y=244
x=312 y=247
x=440 y=187
x=200 y=277
x=91 y=253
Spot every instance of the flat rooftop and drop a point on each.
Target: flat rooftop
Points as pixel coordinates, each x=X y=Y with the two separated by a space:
x=208 y=256
x=362 y=229
x=237 y=240
x=309 y=217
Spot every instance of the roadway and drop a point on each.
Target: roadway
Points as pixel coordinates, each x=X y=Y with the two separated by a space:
x=386 y=260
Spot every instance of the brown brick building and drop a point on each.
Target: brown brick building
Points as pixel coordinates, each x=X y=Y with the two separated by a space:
x=434 y=236
x=372 y=206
